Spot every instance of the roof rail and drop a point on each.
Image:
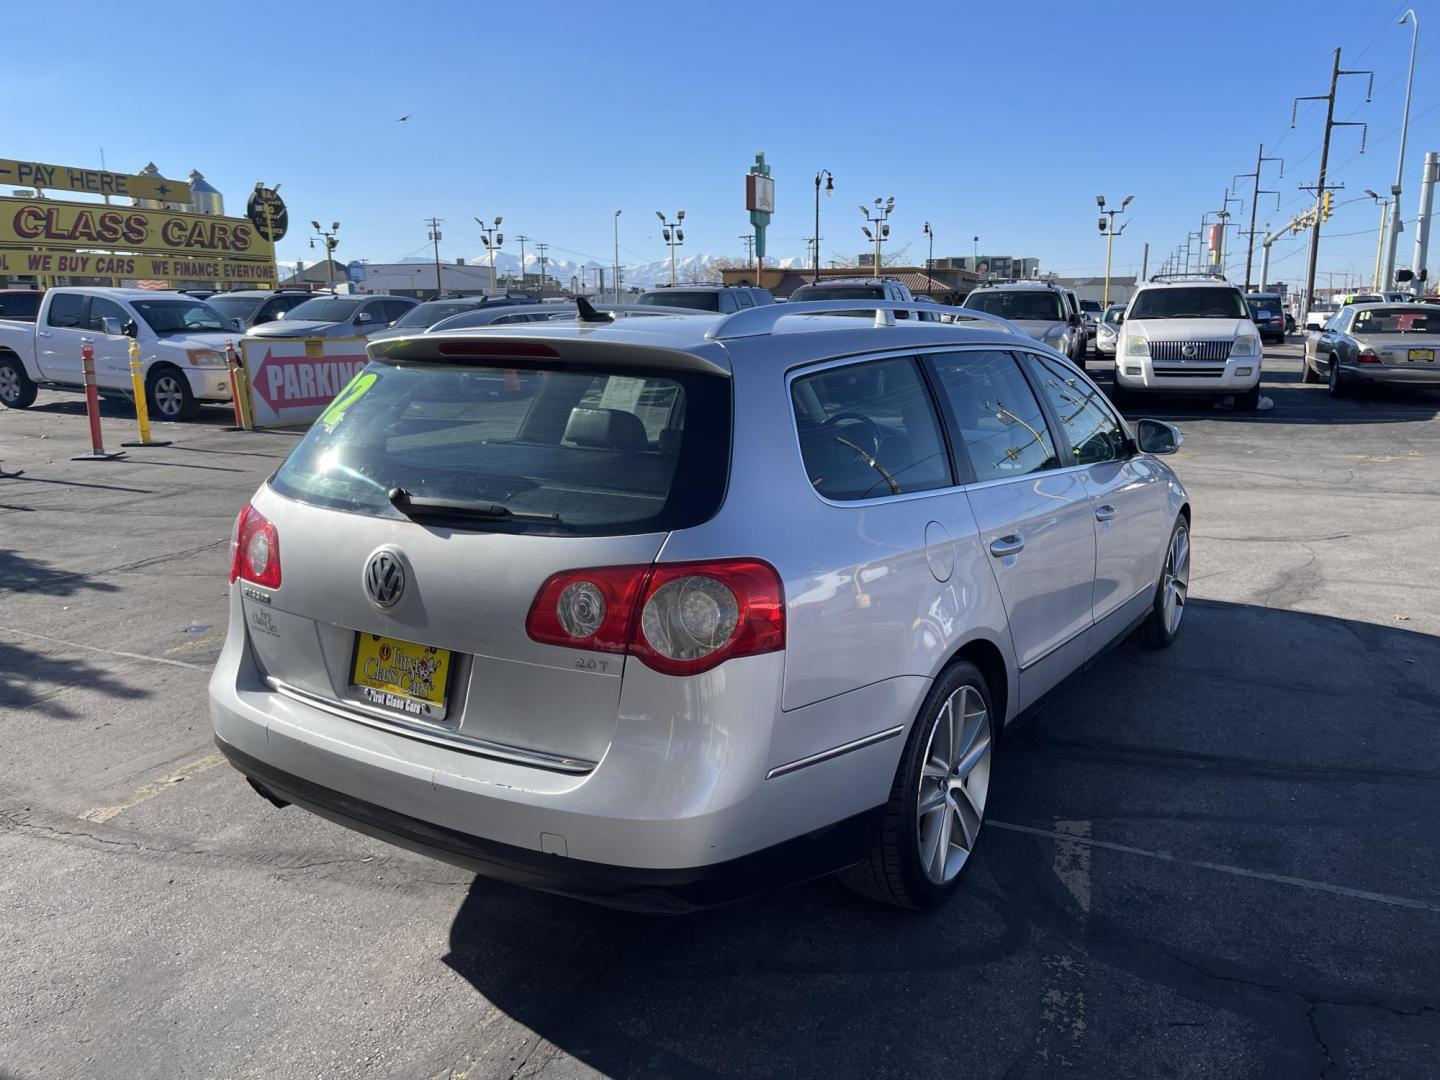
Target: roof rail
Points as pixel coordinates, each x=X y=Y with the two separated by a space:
x=1192 y=275
x=756 y=321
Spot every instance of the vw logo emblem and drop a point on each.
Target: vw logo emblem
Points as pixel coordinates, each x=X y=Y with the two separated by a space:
x=385 y=578
x=1189 y=351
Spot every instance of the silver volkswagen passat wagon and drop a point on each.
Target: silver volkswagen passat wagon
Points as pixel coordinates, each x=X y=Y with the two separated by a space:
x=661 y=612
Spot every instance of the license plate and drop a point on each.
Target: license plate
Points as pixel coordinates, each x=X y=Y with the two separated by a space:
x=401 y=675
x=1425 y=355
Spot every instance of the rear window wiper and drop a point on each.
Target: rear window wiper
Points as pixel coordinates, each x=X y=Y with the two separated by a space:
x=416 y=507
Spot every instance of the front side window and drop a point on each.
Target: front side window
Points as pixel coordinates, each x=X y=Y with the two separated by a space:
x=102 y=309
x=66 y=310
x=1000 y=421
x=869 y=430
x=1090 y=427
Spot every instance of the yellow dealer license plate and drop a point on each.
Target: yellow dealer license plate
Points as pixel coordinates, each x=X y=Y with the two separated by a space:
x=401 y=675
x=1426 y=355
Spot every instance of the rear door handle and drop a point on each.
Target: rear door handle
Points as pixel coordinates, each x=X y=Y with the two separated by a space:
x=1007 y=545
x=1105 y=512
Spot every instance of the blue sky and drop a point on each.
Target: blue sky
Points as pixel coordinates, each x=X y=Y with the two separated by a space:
x=1002 y=120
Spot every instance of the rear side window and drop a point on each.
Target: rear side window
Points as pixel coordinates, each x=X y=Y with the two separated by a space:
x=606 y=453
x=699 y=299
x=1000 y=420
x=869 y=430
x=66 y=309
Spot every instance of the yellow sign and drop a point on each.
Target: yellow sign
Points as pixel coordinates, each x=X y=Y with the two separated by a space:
x=45 y=223
x=44 y=263
x=94 y=181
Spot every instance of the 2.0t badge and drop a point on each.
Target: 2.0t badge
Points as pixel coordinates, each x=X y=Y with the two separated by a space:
x=385 y=579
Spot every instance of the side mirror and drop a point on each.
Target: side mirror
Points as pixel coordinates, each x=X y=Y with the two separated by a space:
x=237 y=324
x=1157 y=437
x=131 y=329
x=363 y=317
x=111 y=326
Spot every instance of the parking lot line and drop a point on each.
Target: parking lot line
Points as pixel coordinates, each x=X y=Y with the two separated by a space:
x=146 y=792
x=106 y=652
x=1238 y=871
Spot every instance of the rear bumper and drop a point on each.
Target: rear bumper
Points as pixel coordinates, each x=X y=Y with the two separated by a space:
x=669 y=891
x=1381 y=375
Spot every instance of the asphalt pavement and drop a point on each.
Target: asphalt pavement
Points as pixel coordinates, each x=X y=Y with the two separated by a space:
x=1217 y=860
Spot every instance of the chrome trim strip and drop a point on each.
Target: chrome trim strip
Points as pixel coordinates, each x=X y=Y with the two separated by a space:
x=1056 y=648
x=834 y=752
x=463 y=743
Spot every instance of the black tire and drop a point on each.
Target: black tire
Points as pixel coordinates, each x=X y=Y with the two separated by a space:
x=1248 y=401
x=891 y=871
x=1339 y=387
x=1157 y=631
x=168 y=394
x=1307 y=373
x=17 y=389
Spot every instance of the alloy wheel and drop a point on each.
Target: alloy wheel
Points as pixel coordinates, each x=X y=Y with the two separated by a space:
x=9 y=385
x=1176 y=582
x=954 y=783
x=169 y=397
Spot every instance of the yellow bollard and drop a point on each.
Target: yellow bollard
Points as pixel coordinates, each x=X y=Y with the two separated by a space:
x=240 y=399
x=142 y=407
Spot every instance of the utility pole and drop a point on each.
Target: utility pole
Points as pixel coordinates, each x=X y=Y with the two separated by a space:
x=1260 y=160
x=1145 y=262
x=930 y=260
x=434 y=224
x=1422 y=218
x=1396 y=226
x=617 y=257
x=1320 y=187
x=829 y=179
x=542 y=248
x=749 y=241
x=523 y=241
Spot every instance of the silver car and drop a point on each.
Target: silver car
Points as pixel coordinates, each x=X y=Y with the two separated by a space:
x=1375 y=345
x=337 y=316
x=713 y=604
x=1108 y=329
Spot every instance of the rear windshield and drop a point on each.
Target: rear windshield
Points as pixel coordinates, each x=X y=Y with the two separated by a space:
x=698 y=299
x=1018 y=305
x=429 y=314
x=608 y=452
x=1405 y=320
x=323 y=309
x=22 y=307
x=1185 y=302
x=854 y=292
x=236 y=307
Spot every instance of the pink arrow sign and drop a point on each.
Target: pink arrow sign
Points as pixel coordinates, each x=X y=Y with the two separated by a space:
x=298 y=382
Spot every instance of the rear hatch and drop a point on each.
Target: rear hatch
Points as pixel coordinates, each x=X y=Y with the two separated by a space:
x=415 y=524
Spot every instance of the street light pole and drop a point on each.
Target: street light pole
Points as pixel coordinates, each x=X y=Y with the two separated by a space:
x=330 y=245
x=674 y=236
x=883 y=207
x=434 y=236
x=1395 y=224
x=829 y=190
x=929 y=259
x=492 y=241
x=523 y=241
x=1110 y=233
x=617 y=256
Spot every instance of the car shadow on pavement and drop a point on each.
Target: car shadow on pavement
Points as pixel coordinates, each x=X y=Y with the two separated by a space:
x=1206 y=750
x=20 y=573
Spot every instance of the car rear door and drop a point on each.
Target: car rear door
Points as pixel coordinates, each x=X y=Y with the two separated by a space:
x=59 y=337
x=1034 y=515
x=1129 y=496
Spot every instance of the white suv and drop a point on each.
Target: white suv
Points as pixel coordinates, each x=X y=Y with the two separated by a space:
x=1189 y=336
x=1043 y=309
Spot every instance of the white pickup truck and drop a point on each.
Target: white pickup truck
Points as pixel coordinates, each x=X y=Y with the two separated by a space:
x=182 y=348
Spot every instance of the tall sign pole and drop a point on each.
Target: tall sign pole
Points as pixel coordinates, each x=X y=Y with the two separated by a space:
x=760 y=201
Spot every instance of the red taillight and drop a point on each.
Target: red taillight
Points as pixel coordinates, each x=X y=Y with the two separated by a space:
x=678 y=618
x=255 y=550
x=1368 y=356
